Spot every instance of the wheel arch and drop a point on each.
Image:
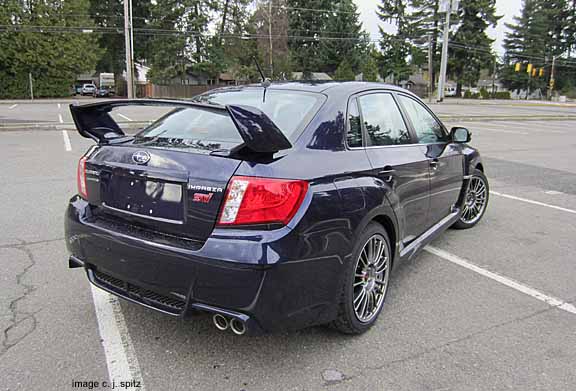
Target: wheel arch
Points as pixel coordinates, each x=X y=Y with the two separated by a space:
x=388 y=225
x=385 y=217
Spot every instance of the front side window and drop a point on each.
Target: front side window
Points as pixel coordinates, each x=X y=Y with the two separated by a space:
x=383 y=121
x=427 y=129
x=354 y=135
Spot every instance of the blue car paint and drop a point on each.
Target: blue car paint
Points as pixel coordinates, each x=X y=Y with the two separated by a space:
x=275 y=277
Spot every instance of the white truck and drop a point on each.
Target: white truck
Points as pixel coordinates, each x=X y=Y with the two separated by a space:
x=106 y=85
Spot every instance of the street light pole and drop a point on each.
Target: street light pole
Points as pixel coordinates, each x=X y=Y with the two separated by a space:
x=128 y=47
x=444 y=61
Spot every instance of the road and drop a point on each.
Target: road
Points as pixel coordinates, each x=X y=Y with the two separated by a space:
x=476 y=311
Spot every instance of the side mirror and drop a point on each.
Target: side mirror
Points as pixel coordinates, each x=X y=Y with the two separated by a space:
x=460 y=135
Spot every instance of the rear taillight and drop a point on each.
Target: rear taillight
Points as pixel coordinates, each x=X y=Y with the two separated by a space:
x=81 y=177
x=251 y=200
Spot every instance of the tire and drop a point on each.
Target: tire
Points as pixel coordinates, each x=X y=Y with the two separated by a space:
x=348 y=320
x=479 y=186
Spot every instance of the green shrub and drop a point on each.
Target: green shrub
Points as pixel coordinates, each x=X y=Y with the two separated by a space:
x=471 y=95
x=503 y=95
x=484 y=93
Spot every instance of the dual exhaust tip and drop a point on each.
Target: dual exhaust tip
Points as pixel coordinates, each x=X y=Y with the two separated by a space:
x=222 y=323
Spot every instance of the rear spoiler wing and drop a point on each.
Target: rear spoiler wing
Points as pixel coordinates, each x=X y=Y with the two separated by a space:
x=259 y=133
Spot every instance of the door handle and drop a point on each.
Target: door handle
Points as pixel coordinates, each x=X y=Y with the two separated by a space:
x=434 y=164
x=387 y=173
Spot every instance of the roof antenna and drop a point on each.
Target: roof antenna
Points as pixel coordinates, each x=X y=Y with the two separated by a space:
x=265 y=83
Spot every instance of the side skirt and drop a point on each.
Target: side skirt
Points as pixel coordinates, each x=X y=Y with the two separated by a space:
x=432 y=233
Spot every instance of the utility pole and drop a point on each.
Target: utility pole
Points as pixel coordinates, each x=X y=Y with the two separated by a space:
x=31 y=86
x=430 y=71
x=494 y=78
x=444 y=62
x=128 y=47
x=270 y=36
x=552 y=76
x=132 y=49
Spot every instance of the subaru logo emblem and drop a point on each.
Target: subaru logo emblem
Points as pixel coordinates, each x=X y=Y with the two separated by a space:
x=141 y=157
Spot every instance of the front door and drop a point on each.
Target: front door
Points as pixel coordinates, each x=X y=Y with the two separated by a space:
x=398 y=162
x=445 y=158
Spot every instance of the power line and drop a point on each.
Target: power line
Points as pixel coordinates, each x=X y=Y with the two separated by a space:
x=168 y=32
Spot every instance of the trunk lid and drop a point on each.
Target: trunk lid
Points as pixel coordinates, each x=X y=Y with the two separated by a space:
x=176 y=194
x=166 y=183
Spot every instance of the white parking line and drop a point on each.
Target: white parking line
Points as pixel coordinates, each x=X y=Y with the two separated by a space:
x=550 y=300
x=533 y=202
x=123 y=116
x=120 y=355
x=59 y=105
x=481 y=129
x=60 y=118
x=527 y=126
x=67 y=143
x=13 y=106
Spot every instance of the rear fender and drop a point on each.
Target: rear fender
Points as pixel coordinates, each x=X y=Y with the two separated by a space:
x=383 y=210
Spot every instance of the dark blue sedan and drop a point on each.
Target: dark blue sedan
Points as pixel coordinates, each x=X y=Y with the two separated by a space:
x=270 y=208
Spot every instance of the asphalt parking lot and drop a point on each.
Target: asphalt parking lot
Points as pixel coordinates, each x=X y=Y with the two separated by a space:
x=487 y=308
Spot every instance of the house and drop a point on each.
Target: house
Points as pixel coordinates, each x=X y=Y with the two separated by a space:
x=416 y=84
x=360 y=77
x=320 y=76
x=487 y=84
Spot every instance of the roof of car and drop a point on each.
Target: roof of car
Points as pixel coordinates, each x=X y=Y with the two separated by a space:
x=325 y=86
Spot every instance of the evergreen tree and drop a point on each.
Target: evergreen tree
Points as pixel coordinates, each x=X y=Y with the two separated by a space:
x=53 y=54
x=541 y=32
x=370 y=68
x=184 y=44
x=237 y=53
x=395 y=47
x=425 y=20
x=471 y=51
x=272 y=14
x=344 y=71
x=343 y=23
x=306 y=25
x=109 y=14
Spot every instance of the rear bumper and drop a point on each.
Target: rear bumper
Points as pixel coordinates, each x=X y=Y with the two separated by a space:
x=239 y=275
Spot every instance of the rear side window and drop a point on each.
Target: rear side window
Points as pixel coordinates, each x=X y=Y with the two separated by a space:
x=427 y=129
x=354 y=135
x=383 y=121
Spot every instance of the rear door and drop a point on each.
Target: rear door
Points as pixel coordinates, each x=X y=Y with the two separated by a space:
x=397 y=161
x=445 y=158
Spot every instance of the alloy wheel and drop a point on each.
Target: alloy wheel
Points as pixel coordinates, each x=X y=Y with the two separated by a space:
x=475 y=201
x=371 y=277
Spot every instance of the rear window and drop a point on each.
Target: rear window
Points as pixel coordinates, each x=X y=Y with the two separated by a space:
x=211 y=129
x=289 y=110
x=192 y=127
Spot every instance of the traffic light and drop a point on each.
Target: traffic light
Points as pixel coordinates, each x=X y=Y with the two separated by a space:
x=517 y=67
x=534 y=72
x=541 y=72
x=529 y=69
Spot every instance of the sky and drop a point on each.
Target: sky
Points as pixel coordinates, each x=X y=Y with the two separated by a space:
x=507 y=8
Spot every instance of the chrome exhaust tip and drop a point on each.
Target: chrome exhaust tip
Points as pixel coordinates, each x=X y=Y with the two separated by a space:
x=220 y=322
x=237 y=326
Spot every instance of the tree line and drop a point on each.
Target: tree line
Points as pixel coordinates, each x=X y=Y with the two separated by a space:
x=54 y=40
